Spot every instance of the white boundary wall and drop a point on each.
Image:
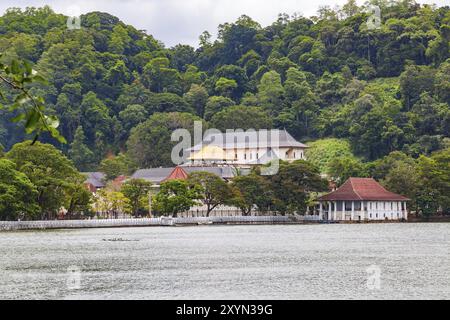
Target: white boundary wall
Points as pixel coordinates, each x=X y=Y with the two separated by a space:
x=162 y=221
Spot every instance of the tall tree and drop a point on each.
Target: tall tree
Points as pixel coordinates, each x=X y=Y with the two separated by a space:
x=214 y=190
x=175 y=196
x=79 y=152
x=270 y=92
x=292 y=185
x=137 y=193
x=150 y=142
x=241 y=117
x=50 y=171
x=251 y=192
x=17 y=193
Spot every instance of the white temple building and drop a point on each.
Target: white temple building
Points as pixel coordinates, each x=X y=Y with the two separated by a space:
x=246 y=148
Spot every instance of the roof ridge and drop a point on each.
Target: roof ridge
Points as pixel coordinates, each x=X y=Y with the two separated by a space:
x=353 y=188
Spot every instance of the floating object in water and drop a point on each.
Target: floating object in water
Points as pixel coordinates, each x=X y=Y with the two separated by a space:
x=118 y=239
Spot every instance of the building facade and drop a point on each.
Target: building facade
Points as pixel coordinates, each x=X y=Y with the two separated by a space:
x=156 y=176
x=362 y=199
x=246 y=148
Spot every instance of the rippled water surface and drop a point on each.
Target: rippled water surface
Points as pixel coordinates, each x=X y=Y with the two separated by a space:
x=229 y=262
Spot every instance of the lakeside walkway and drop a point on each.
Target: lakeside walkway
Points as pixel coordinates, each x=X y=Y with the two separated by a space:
x=143 y=222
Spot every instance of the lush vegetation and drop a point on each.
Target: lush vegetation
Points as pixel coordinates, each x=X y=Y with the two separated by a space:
x=372 y=101
x=37 y=181
x=286 y=192
x=381 y=89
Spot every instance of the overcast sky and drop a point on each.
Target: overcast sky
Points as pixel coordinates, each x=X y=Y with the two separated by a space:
x=182 y=21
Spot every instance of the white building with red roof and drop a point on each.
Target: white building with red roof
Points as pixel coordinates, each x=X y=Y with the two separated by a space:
x=362 y=199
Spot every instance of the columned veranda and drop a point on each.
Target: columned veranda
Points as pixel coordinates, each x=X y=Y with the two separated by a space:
x=362 y=210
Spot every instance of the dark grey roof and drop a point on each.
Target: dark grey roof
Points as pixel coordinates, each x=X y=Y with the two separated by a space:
x=156 y=175
x=224 y=172
x=250 y=139
x=95 y=178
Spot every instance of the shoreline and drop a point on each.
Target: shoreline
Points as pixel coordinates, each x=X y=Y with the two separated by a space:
x=194 y=221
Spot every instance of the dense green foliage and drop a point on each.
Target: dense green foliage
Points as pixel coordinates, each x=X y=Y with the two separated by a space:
x=426 y=181
x=382 y=89
x=48 y=182
x=214 y=191
x=137 y=193
x=176 y=196
x=17 y=193
x=322 y=152
x=369 y=101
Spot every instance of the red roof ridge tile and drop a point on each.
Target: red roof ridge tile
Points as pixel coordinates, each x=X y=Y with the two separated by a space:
x=177 y=173
x=354 y=189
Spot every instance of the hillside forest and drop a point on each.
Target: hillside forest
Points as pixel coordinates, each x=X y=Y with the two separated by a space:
x=368 y=101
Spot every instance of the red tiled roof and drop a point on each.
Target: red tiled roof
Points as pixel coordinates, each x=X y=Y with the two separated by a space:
x=177 y=174
x=362 y=189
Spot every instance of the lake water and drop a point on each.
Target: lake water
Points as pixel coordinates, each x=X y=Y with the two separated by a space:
x=369 y=261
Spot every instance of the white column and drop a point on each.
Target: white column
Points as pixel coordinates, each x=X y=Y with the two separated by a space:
x=377 y=210
x=353 y=210
x=329 y=217
x=406 y=212
x=320 y=210
x=335 y=210
x=362 y=210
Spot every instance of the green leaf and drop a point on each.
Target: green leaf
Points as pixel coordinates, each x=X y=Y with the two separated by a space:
x=28 y=67
x=41 y=79
x=15 y=67
x=22 y=98
x=19 y=117
x=32 y=121
x=14 y=106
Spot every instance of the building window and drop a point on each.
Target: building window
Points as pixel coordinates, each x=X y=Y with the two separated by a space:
x=257 y=155
x=294 y=155
x=245 y=156
x=235 y=156
x=348 y=206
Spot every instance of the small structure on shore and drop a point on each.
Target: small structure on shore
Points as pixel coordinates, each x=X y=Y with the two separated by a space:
x=94 y=181
x=362 y=199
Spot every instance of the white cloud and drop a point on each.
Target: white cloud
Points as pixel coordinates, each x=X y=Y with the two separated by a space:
x=182 y=21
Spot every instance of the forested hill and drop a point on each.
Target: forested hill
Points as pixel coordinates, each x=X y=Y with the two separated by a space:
x=116 y=89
